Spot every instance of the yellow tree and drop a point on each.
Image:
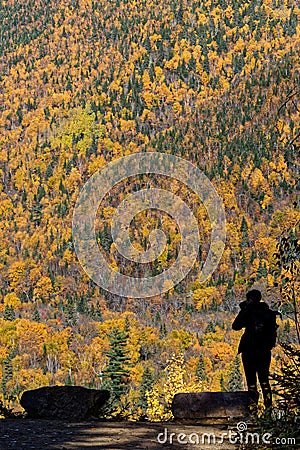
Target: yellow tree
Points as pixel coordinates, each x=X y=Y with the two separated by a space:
x=160 y=398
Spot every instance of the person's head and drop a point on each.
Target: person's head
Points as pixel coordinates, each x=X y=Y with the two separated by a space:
x=253 y=296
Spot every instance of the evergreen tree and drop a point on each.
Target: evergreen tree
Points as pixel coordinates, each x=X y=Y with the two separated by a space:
x=48 y=172
x=106 y=239
x=243 y=264
x=253 y=256
x=235 y=378
x=262 y=270
x=210 y=328
x=36 y=315
x=7 y=373
x=146 y=386
x=95 y=313
x=162 y=330
x=200 y=339
x=116 y=372
x=71 y=315
x=81 y=305
x=213 y=305
x=200 y=369
x=9 y=313
x=244 y=231
x=68 y=381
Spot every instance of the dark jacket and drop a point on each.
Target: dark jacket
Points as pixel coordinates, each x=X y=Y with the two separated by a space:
x=260 y=326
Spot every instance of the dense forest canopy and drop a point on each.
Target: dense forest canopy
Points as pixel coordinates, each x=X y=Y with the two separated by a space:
x=86 y=82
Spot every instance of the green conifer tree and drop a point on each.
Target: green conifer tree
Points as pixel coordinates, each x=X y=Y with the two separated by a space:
x=235 y=380
x=36 y=315
x=116 y=372
x=9 y=313
x=146 y=386
x=7 y=374
x=68 y=381
x=200 y=369
x=244 y=231
x=106 y=239
x=95 y=312
x=210 y=328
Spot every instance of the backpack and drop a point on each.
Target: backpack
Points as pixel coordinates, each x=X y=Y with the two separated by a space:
x=262 y=328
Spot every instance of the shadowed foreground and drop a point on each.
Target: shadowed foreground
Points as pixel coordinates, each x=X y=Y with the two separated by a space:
x=44 y=434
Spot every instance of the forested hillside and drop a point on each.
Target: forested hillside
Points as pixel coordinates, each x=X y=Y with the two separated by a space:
x=86 y=82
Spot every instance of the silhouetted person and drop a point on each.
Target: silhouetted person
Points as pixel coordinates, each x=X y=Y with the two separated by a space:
x=256 y=343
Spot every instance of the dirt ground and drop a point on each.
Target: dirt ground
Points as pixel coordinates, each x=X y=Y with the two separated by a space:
x=29 y=434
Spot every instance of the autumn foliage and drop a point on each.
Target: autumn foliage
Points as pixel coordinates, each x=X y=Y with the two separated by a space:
x=84 y=82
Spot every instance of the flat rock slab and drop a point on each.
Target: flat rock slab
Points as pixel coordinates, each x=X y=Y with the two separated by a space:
x=210 y=405
x=63 y=402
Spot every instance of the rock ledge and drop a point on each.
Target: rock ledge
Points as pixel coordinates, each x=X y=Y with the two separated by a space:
x=207 y=405
x=63 y=402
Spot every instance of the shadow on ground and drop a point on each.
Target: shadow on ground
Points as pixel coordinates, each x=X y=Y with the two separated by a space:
x=44 y=434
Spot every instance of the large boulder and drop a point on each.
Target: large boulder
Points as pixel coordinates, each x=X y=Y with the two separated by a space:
x=63 y=402
x=208 y=405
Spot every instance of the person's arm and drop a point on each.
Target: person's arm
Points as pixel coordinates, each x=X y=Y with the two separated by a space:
x=240 y=320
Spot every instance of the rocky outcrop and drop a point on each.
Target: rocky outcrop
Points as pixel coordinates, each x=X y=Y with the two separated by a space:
x=208 y=405
x=63 y=402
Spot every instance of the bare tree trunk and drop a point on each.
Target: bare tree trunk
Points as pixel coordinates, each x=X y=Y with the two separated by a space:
x=296 y=316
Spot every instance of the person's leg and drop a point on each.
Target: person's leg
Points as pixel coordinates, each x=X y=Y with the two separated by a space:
x=263 y=371
x=250 y=373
